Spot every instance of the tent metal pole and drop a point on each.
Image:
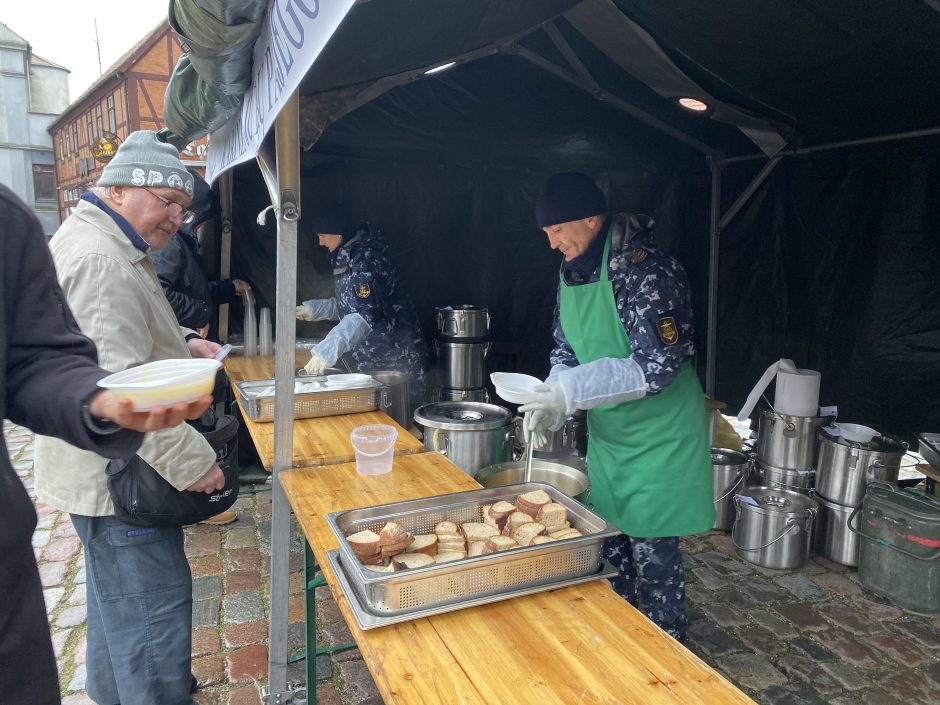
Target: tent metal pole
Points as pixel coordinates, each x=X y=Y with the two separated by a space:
x=713 y=233
x=912 y=134
x=552 y=31
x=287 y=140
x=748 y=192
x=225 y=257
x=618 y=103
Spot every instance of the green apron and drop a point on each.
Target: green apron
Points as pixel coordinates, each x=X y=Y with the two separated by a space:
x=648 y=459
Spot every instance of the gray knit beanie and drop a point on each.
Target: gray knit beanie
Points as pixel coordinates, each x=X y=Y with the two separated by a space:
x=143 y=160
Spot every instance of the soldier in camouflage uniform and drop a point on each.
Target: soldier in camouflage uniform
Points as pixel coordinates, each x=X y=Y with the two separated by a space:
x=623 y=351
x=385 y=333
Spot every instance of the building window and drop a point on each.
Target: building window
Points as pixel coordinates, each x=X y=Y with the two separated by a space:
x=44 y=182
x=91 y=133
x=112 y=120
x=75 y=136
x=99 y=122
x=61 y=149
x=68 y=141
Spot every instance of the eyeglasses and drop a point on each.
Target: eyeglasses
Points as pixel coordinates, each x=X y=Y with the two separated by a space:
x=173 y=208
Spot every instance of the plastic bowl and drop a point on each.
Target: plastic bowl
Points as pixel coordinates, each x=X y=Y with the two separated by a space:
x=856 y=432
x=515 y=387
x=164 y=382
x=347 y=380
x=374 y=445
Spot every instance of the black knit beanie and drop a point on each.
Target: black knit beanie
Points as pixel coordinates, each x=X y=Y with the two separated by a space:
x=331 y=219
x=568 y=196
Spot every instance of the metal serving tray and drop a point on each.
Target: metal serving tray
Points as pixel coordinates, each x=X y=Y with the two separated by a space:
x=450 y=585
x=929 y=447
x=367 y=619
x=307 y=405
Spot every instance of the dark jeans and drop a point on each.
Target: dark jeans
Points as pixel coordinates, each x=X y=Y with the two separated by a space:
x=652 y=577
x=139 y=636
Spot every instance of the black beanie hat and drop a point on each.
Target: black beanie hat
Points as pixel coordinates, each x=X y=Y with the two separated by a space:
x=568 y=196
x=331 y=219
x=205 y=204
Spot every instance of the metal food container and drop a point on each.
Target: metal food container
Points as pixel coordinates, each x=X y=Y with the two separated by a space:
x=928 y=445
x=307 y=405
x=450 y=586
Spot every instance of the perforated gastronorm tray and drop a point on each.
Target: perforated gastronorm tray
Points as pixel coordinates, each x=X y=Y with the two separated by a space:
x=454 y=582
x=308 y=405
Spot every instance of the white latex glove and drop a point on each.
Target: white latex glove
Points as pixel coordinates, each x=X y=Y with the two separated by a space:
x=302 y=314
x=318 y=310
x=316 y=366
x=536 y=425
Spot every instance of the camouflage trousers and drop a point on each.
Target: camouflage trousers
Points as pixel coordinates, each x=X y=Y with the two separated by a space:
x=652 y=578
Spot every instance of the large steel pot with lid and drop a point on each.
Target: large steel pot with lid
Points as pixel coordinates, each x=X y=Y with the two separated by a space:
x=773 y=527
x=845 y=467
x=788 y=442
x=462 y=365
x=730 y=470
x=464 y=322
x=471 y=433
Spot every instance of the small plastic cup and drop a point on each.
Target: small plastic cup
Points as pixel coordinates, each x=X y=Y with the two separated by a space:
x=375 y=448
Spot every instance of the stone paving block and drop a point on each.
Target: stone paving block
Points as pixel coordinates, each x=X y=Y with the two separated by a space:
x=877 y=609
x=205 y=641
x=837 y=584
x=851 y=618
x=709 y=578
x=900 y=649
x=803 y=615
x=735 y=598
x=725 y=616
x=70 y=617
x=707 y=638
x=358 y=681
x=848 y=676
x=207 y=586
x=847 y=646
x=773 y=623
x=52 y=574
x=723 y=565
x=207 y=697
x=328 y=611
x=760 y=589
x=245 y=559
x=813 y=649
x=723 y=543
x=206 y=565
x=209 y=669
x=760 y=639
x=79 y=596
x=245 y=633
x=41 y=538
x=333 y=634
x=62 y=549
x=64 y=528
x=242 y=607
x=242 y=537
x=802 y=668
x=751 y=671
x=933 y=671
x=696 y=594
x=924 y=632
x=60 y=639
x=53 y=596
x=876 y=696
x=242 y=581
x=79 y=578
x=296 y=634
x=907 y=687
x=247 y=664
x=206 y=612
x=203 y=543
x=802 y=587
x=246 y=695
x=791 y=695
x=77 y=681
x=77 y=699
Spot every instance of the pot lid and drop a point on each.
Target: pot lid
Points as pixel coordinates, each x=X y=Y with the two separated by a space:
x=878 y=444
x=725 y=456
x=775 y=501
x=462 y=415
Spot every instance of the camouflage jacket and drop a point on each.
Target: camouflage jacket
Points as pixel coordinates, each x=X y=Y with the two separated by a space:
x=652 y=294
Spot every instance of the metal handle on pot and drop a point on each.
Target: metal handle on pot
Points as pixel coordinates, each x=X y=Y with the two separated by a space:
x=791 y=524
x=435 y=445
x=385 y=400
x=737 y=482
x=854 y=530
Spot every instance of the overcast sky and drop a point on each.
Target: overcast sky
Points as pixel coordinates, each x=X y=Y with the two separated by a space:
x=63 y=31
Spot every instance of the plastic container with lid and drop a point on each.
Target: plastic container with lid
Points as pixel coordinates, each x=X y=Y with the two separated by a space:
x=374 y=445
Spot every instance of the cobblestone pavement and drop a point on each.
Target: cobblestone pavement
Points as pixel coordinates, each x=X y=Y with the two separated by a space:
x=786 y=638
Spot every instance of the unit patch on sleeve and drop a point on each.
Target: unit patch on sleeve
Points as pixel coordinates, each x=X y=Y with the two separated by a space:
x=363 y=291
x=640 y=255
x=668 y=330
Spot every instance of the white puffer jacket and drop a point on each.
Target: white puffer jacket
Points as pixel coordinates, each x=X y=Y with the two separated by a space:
x=115 y=295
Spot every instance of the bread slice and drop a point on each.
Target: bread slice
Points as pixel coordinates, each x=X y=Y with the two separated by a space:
x=448 y=556
x=364 y=543
x=395 y=549
x=477 y=531
x=515 y=520
x=499 y=543
x=541 y=539
x=531 y=502
x=485 y=513
x=553 y=516
x=393 y=534
x=476 y=549
x=451 y=545
x=525 y=533
x=423 y=543
x=565 y=534
x=405 y=561
x=499 y=513
x=446 y=527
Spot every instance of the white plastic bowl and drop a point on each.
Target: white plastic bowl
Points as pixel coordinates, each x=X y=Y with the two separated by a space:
x=515 y=387
x=856 y=432
x=164 y=382
x=347 y=380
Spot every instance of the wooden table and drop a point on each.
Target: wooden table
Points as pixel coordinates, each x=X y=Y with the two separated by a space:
x=320 y=441
x=579 y=644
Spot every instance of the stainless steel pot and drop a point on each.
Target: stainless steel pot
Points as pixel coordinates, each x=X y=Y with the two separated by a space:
x=472 y=434
x=463 y=322
x=763 y=475
x=832 y=537
x=565 y=478
x=845 y=468
x=396 y=395
x=788 y=441
x=462 y=365
x=464 y=394
x=570 y=438
x=773 y=527
x=731 y=470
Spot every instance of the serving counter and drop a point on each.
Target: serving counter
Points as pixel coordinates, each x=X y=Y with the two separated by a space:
x=317 y=441
x=577 y=644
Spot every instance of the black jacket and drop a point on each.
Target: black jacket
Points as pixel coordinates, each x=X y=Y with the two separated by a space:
x=48 y=371
x=193 y=297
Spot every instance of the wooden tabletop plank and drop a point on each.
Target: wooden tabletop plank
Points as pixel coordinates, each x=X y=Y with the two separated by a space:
x=319 y=441
x=580 y=644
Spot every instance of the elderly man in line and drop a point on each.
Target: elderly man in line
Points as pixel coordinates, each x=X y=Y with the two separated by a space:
x=139 y=586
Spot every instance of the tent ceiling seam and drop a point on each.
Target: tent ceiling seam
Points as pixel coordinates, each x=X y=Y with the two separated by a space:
x=566 y=51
